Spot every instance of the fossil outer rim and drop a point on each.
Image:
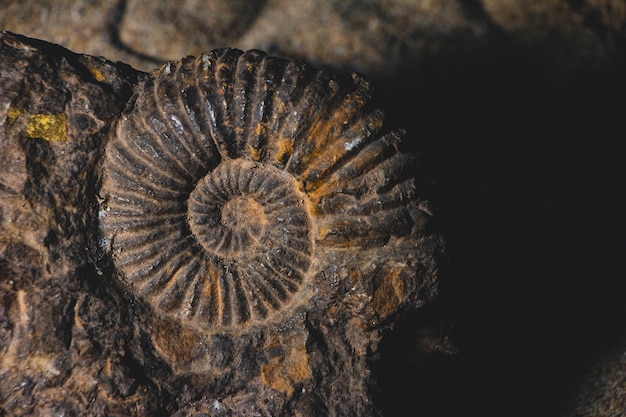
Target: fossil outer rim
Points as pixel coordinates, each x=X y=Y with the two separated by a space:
x=302 y=155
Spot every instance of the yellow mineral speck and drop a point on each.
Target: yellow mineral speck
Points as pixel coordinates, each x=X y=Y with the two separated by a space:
x=50 y=127
x=13 y=114
x=97 y=74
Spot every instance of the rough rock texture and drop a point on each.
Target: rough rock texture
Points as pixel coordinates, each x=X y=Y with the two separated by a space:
x=374 y=37
x=79 y=339
x=522 y=105
x=61 y=351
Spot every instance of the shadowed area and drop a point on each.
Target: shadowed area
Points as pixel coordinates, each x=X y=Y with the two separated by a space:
x=527 y=159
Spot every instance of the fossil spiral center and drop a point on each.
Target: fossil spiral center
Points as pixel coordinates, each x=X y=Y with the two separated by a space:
x=243 y=214
x=242 y=207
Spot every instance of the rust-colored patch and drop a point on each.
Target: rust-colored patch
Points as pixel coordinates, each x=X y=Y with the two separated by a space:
x=260 y=129
x=390 y=294
x=50 y=127
x=174 y=342
x=97 y=74
x=257 y=155
x=213 y=277
x=285 y=149
x=284 y=371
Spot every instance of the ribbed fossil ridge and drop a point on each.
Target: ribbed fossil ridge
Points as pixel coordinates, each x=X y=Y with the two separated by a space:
x=230 y=172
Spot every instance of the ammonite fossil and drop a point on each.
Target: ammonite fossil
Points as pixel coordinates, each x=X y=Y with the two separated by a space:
x=233 y=179
x=233 y=234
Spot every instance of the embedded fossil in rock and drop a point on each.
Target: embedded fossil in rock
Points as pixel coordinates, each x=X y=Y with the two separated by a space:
x=234 y=179
x=263 y=221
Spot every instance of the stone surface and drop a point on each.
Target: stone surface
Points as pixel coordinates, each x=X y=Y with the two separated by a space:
x=99 y=319
x=374 y=37
x=522 y=105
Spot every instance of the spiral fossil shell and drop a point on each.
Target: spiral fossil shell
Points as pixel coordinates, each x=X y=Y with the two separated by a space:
x=231 y=177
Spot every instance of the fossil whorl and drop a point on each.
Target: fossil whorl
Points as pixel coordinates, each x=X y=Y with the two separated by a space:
x=232 y=177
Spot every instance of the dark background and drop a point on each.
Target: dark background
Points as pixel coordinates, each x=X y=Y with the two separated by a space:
x=527 y=160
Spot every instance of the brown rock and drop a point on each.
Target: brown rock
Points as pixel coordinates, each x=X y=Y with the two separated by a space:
x=237 y=240
x=376 y=38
